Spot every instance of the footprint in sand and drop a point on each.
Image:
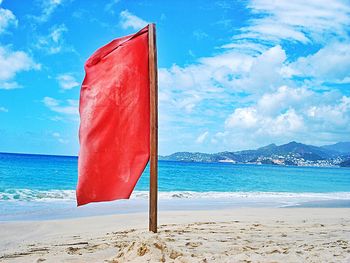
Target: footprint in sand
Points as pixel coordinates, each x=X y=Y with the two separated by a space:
x=274 y=251
x=142 y=250
x=175 y=254
x=159 y=246
x=72 y=250
x=193 y=244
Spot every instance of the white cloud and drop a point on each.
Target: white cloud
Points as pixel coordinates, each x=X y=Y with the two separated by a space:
x=264 y=73
x=217 y=79
x=56 y=134
x=289 y=114
x=282 y=99
x=328 y=116
x=3 y=109
x=246 y=47
x=11 y=63
x=329 y=64
x=204 y=93
x=285 y=123
x=7 y=18
x=68 y=107
x=300 y=21
x=199 y=34
x=54 y=42
x=243 y=118
x=109 y=7
x=48 y=8
x=59 y=138
x=201 y=138
x=249 y=119
x=129 y=20
x=278 y=106
x=67 y=81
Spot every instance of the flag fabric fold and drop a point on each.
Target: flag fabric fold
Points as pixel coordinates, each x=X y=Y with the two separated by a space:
x=114 y=111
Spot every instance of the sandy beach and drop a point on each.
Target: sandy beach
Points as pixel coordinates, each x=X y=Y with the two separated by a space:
x=236 y=235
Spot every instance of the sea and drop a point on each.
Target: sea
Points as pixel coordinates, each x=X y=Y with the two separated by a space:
x=42 y=187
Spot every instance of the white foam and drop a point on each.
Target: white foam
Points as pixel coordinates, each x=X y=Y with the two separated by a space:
x=37 y=195
x=69 y=195
x=244 y=195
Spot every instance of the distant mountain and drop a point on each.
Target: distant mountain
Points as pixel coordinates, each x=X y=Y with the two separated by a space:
x=342 y=147
x=292 y=153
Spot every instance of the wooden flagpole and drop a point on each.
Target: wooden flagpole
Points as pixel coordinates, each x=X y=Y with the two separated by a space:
x=153 y=79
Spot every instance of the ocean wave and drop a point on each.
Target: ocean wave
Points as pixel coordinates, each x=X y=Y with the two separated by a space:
x=36 y=195
x=69 y=195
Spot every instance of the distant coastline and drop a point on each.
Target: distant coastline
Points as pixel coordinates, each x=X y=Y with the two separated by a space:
x=292 y=153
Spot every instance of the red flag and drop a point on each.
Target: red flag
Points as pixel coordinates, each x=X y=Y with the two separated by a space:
x=115 y=120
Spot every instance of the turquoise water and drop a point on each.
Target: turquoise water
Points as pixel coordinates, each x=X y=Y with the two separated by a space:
x=39 y=181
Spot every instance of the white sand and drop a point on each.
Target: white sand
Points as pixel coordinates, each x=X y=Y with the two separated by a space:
x=239 y=235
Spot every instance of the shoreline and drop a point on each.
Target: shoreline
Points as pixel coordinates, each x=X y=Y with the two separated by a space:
x=227 y=235
x=52 y=210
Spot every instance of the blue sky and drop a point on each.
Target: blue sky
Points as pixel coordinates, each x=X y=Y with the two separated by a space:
x=232 y=74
